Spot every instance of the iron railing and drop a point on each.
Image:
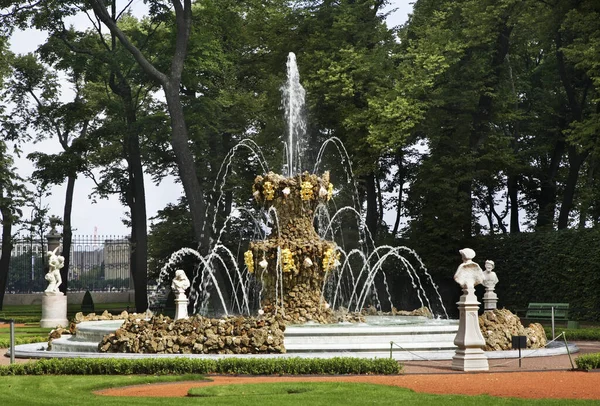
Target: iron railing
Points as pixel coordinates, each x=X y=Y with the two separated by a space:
x=97 y=263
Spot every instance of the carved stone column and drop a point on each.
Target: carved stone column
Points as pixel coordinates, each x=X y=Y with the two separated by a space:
x=490 y=299
x=469 y=340
x=181 y=307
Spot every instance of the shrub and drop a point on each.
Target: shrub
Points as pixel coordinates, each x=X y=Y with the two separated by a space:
x=580 y=334
x=164 y=366
x=547 y=267
x=5 y=343
x=588 y=362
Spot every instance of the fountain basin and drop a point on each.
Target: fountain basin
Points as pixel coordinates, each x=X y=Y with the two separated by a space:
x=413 y=339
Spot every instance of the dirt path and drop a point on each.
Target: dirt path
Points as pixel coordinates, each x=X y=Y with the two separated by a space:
x=537 y=377
x=527 y=385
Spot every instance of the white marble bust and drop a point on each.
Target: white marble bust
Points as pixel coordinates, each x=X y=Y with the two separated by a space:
x=180 y=283
x=490 y=279
x=468 y=274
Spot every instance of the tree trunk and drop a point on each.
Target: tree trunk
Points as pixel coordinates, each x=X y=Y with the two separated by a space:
x=187 y=166
x=193 y=191
x=179 y=135
x=67 y=239
x=481 y=119
x=398 y=209
x=547 y=197
x=400 y=176
x=372 y=217
x=585 y=204
x=139 y=228
x=576 y=109
x=513 y=195
x=575 y=162
x=135 y=195
x=6 y=250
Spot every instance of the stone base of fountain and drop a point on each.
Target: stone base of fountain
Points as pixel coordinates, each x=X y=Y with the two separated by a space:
x=197 y=335
x=414 y=338
x=301 y=305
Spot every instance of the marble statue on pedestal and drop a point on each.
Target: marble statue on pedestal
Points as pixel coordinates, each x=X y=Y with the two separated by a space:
x=179 y=286
x=180 y=283
x=490 y=279
x=55 y=263
x=469 y=341
x=54 y=302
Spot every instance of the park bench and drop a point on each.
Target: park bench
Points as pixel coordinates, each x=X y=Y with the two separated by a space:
x=543 y=311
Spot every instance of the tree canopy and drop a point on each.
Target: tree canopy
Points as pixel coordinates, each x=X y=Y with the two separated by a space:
x=474 y=117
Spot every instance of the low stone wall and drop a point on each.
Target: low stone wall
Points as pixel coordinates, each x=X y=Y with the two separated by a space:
x=498 y=326
x=22 y=299
x=197 y=335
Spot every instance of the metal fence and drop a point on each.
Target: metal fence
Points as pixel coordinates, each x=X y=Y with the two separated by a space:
x=98 y=263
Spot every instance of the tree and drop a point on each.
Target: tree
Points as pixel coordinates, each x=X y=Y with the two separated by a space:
x=102 y=63
x=35 y=90
x=12 y=198
x=12 y=190
x=347 y=67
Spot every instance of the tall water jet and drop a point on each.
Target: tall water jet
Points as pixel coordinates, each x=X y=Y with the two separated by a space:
x=291 y=268
x=293 y=105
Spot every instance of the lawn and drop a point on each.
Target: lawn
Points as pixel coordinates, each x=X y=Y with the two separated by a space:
x=30 y=333
x=50 y=390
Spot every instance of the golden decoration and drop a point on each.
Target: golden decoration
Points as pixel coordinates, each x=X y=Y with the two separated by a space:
x=287 y=261
x=331 y=259
x=249 y=261
x=306 y=191
x=268 y=190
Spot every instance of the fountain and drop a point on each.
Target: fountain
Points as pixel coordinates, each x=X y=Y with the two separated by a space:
x=292 y=269
x=298 y=274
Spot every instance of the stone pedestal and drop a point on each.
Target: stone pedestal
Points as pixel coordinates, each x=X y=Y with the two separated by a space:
x=490 y=300
x=469 y=340
x=54 y=311
x=181 y=304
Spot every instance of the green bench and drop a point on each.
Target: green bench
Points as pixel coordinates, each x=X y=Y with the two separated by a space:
x=543 y=311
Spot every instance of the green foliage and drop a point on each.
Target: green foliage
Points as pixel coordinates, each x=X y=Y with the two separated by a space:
x=5 y=342
x=162 y=366
x=559 y=266
x=574 y=334
x=588 y=362
x=23 y=335
x=87 y=304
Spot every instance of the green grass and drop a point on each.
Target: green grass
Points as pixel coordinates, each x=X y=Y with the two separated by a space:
x=49 y=390
x=30 y=333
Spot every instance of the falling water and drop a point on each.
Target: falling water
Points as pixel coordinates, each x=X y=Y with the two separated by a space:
x=350 y=285
x=293 y=105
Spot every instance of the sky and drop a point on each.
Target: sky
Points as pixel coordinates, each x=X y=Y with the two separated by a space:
x=104 y=216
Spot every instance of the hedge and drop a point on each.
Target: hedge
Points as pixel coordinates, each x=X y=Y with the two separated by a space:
x=5 y=343
x=242 y=366
x=548 y=267
x=580 y=334
x=588 y=362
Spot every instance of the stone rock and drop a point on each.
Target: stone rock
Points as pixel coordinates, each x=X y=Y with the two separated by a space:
x=197 y=335
x=499 y=325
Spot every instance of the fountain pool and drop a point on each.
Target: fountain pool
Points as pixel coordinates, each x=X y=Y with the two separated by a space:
x=415 y=338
